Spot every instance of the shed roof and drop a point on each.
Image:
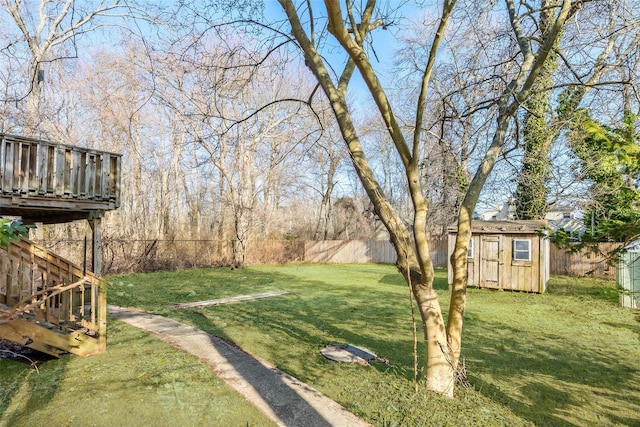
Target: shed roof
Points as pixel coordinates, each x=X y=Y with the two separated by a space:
x=501 y=227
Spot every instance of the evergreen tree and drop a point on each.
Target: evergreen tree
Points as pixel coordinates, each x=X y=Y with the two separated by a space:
x=609 y=158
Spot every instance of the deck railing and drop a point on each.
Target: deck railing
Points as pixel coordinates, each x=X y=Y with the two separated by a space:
x=40 y=168
x=53 y=289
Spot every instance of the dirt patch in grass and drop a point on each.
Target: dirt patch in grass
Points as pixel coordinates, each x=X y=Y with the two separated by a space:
x=18 y=353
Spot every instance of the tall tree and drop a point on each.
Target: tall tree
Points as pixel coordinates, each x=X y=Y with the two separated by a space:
x=532 y=191
x=609 y=159
x=328 y=153
x=45 y=33
x=352 y=28
x=208 y=79
x=592 y=67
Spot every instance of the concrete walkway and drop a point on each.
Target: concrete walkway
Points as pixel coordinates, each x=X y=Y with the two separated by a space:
x=280 y=396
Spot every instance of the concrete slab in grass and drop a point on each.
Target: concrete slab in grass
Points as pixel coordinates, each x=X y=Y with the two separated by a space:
x=229 y=300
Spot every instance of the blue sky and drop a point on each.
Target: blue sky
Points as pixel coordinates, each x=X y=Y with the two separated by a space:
x=385 y=44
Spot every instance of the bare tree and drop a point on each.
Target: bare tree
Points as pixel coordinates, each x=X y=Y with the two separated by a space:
x=45 y=33
x=591 y=67
x=327 y=155
x=256 y=152
x=351 y=28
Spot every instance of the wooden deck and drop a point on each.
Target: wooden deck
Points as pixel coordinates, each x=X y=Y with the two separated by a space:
x=51 y=183
x=46 y=302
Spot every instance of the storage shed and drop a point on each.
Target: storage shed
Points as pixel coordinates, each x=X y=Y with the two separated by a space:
x=506 y=255
x=628 y=275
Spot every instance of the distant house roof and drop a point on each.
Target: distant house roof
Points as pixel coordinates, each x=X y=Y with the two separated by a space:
x=559 y=216
x=569 y=225
x=505 y=212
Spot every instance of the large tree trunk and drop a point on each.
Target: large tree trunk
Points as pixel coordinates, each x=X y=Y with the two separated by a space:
x=440 y=370
x=509 y=103
x=413 y=257
x=443 y=342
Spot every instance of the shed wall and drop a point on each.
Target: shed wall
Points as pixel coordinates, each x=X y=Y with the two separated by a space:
x=493 y=265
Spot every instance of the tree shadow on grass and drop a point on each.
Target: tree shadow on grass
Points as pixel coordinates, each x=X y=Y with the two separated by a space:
x=633 y=328
x=307 y=325
x=14 y=376
x=584 y=289
x=523 y=410
x=547 y=380
x=439 y=283
x=25 y=390
x=277 y=394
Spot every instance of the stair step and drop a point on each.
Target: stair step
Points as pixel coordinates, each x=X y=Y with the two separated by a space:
x=51 y=341
x=41 y=327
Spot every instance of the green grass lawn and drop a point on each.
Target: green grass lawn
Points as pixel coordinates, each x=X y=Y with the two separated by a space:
x=568 y=357
x=140 y=381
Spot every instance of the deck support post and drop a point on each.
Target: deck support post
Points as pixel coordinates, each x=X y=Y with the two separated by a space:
x=96 y=246
x=96 y=267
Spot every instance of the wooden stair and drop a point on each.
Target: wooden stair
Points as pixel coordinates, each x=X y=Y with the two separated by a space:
x=50 y=304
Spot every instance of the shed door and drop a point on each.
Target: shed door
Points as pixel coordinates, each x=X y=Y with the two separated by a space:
x=490 y=261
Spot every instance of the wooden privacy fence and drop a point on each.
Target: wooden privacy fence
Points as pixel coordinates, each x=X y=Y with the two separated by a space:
x=349 y=252
x=40 y=168
x=363 y=251
x=584 y=263
x=150 y=255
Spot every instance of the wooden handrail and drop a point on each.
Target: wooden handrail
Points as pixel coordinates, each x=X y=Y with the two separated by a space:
x=57 y=291
x=40 y=168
